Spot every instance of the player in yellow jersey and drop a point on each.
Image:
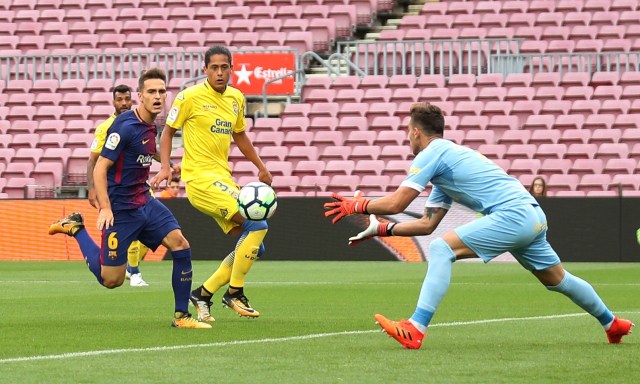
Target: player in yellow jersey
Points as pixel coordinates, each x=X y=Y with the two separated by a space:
x=210 y=114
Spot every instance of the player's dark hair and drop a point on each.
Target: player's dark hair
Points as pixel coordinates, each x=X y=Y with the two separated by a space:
x=120 y=88
x=216 y=50
x=175 y=178
x=153 y=73
x=428 y=118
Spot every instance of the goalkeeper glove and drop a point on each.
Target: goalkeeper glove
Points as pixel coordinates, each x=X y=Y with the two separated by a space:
x=345 y=207
x=375 y=228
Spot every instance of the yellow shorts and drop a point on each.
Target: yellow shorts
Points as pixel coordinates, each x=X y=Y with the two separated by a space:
x=217 y=199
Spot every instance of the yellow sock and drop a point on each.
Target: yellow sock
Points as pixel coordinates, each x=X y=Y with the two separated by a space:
x=221 y=276
x=134 y=253
x=246 y=254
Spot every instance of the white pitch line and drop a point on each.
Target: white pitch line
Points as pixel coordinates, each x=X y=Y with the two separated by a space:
x=72 y=355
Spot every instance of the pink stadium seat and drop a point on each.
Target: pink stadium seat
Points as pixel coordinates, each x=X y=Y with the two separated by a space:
x=327 y=138
x=313 y=184
x=345 y=184
x=335 y=152
x=520 y=93
x=364 y=152
x=627 y=121
x=360 y=138
x=521 y=167
x=395 y=152
x=543 y=136
x=15 y=187
x=615 y=166
x=475 y=138
x=50 y=174
x=294 y=123
x=586 y=166
x=27 y=155
x=270 y=123
x=616 y=107
x=520 y=151
x=302 y=153
x=323 y=123
x=376 y=95
x=581 y=151
x=268 y=138
x=574 y=136
x=285 y=185
x=605 y=135
x=469 y=123
x=368 y=167
x=396 y=167
x=630 y=136
x=339 y=167
x=389 y=137
x=280 y=168
x=607 y=92
x=608 y=151
x=53 y=155
x=626 y=182
x=554 y=166
x=17 y=170
x=374 y=185
x=244 y=169
x=569 y=122
x=24 y=140
x=497 y=108
x=268 y=154
x=491 y=94
x=320 y=96
x=562 y=182
x=550 y=151
x=241 y=25
x=292 y=138
x=306 y=167
x=493 y=151
x=517 y=136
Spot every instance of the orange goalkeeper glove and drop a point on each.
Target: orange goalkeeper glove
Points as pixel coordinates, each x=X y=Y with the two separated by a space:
x=345 y=207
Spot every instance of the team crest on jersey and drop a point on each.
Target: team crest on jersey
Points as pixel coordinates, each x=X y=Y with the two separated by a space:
x=235 y=107
x=180 y=96
x=224 y=212
x=112 y=141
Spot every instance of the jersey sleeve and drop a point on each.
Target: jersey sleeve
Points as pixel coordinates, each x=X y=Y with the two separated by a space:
x=116 y=140
x=100 y=136
x=179 y=112
x=241 y=122
x=422 y=170
x=438 y=199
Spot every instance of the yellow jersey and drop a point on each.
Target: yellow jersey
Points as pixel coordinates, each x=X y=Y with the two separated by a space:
x=100 y=135
x=208 y=120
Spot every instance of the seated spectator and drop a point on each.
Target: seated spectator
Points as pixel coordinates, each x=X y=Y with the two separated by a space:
x=538 y=187
x=172 y=189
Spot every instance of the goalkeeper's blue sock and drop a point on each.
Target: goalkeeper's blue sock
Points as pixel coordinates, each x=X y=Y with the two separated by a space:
x=583 y=294
x=132 y=270
x=181 y=279
x=435 y=285
x=90 y=252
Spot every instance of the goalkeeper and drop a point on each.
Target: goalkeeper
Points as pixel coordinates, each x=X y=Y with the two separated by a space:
x=512 y=222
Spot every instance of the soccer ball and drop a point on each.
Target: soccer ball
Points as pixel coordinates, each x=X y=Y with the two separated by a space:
x=257 y=201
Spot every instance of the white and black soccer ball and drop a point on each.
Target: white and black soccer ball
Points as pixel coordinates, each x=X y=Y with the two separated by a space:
x=257 y=201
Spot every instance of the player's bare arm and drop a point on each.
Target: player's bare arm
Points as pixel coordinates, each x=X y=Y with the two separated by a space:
x=93 y=158
x=248 y=150
x=105 y=216
x=166 y=140
x=423 y=226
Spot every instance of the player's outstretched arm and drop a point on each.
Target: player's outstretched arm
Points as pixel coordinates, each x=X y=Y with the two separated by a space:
x=105 y=216
x=166 y=140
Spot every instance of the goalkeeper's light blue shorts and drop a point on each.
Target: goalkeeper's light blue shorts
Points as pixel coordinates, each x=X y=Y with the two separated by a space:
x=520 y=230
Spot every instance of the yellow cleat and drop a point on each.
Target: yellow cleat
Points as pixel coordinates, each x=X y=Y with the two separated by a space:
x=70 y=225
x=184 y=320
x=239 y=303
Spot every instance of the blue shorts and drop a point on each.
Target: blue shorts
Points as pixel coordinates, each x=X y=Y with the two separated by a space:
x=520 y=230
x=150 y=224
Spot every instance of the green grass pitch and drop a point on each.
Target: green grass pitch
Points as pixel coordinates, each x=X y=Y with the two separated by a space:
x=497 y=324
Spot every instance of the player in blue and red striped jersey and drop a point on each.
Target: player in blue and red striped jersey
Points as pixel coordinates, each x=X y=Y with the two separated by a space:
x=127 y=209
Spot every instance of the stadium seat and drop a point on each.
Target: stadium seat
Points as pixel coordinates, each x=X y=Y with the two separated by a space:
x=300 y=153
x=344 y=184
x=50 y=174
x=493 y=151
x=552 y=166
x=327 y=138
x=586 y=166
x=517 y=136
x=394 y=152
x=608 y=151
x=396 y=167
x=17 y=170
x=15 y=187
x=294 y=123
x=374 y=185
x=335 y=152
x=339 y=167
x=616 y=166
x=268 y=154
x=604 y=135
x=562 y=182
x=475 y=138
x=550 y=151
x=543 y=136
x=626 y=182
x=364 y=152
x=520 y=167
x=293 y=138
x=581 y=151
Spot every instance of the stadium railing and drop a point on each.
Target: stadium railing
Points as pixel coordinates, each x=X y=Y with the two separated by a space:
x=588 y=62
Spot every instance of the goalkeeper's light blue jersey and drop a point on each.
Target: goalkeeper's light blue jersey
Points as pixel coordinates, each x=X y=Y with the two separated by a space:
x=465 y=176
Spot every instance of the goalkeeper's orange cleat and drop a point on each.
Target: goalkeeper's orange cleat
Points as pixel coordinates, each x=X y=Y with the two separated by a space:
x=403 y=331
x=619 y=328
